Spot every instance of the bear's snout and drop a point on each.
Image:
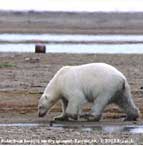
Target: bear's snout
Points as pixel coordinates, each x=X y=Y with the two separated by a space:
x=42 y=111
x=41 y=114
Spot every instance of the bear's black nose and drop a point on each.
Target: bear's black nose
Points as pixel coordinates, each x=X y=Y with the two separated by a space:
x=41 y=114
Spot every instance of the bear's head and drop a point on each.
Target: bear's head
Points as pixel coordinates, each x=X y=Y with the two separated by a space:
x=45 y=103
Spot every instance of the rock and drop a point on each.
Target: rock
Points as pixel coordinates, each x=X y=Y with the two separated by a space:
x=32 y=60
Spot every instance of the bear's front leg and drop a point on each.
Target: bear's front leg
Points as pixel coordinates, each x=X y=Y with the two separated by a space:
x=71 y=113
x=63 y=116
x=72 y=110
x=66 y=117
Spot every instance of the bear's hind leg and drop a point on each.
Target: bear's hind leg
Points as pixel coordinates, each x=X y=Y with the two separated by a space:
x=98 y=107
x=63 y=116
x=127 y=104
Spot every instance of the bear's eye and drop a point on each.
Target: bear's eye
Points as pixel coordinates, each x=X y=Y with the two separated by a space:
x=41 y=107
x=46 y=97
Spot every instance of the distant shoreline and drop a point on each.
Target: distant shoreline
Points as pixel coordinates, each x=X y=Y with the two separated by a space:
x=76 y=12
x=71 y=22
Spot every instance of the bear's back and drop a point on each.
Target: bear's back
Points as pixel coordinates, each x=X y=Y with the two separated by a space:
x=100 y=70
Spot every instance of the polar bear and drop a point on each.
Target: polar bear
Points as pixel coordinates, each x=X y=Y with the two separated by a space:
x=98 y=83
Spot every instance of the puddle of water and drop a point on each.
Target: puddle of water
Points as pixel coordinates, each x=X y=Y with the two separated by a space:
x=134 y=129
x=137 y=130
x=118 y=129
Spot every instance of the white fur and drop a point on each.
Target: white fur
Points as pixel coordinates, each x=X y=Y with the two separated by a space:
x=98 y=83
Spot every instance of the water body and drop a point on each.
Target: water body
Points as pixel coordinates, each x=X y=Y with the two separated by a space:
x=64 y=45
x=73 y=48
x=68 y=37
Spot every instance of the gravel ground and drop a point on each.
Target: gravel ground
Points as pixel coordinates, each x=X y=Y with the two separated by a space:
x=22 y=84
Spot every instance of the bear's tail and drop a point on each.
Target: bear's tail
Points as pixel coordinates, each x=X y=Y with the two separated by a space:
x=126 y=88
x=124 y=85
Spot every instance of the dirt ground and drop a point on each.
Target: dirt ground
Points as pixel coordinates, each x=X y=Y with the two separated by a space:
x=22 y=84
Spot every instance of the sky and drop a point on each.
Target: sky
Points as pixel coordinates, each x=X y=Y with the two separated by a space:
x=73 y=5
